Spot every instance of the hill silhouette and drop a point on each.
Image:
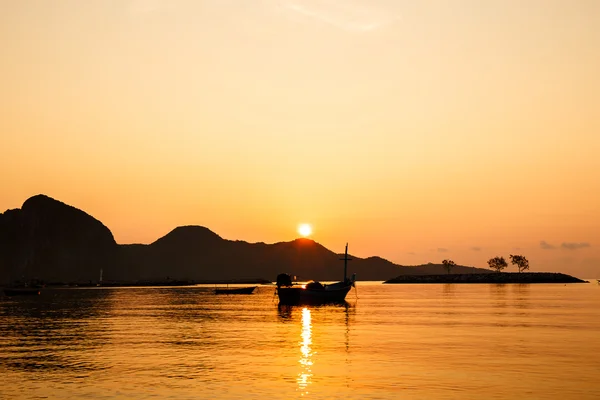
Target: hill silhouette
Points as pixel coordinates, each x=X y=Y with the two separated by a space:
x=54 y=242
x=49 y=240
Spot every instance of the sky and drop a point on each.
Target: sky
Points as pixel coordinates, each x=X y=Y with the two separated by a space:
x=414 y=131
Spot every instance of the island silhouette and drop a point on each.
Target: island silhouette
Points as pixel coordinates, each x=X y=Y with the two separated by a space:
x=49 y=241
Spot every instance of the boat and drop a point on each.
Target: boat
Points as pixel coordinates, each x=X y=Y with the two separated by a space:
x=236 y=290
x=314 y=292
x=21 y=291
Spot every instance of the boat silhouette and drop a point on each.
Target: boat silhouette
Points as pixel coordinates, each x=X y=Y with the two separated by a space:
x=235 y=290
x=22 y=291
x=314 y=292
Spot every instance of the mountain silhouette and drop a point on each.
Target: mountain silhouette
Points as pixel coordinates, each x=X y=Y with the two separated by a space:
x=57 y=243
x=52 y=241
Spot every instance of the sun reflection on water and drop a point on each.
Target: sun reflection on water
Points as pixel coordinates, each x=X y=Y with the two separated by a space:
x=305 y=376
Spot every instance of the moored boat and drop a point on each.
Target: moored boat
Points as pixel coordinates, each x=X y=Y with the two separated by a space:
x=314 y=292
x=242 y=290
x=24 y=291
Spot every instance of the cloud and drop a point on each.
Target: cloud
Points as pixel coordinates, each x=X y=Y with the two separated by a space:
x=547 y=246
x=574 y=246
x=476 y=248
x=138 y=7
x=342 y=15
x=442 y=250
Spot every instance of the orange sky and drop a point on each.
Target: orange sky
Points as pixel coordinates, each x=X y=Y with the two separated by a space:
x=416 y=132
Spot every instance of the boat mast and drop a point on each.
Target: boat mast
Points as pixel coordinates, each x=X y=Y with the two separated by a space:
x=346 y=259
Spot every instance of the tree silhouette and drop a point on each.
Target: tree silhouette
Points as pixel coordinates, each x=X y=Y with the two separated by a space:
x=448 y=265
x=520 y=261
x=497 y=263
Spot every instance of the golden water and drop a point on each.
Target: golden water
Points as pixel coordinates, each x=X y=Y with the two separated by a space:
x=393 y=342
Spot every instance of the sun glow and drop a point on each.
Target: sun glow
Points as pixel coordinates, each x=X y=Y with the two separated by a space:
x=304 y=230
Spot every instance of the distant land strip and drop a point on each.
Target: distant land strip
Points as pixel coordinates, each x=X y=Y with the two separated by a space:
x=257 y=281
x=502 y=277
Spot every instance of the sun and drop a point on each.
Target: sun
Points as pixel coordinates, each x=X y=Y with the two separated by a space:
x=304 y=230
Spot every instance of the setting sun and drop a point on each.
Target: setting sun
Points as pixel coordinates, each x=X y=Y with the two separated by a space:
x=304 y=230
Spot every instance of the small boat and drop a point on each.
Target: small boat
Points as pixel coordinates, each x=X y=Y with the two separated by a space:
x=237 y=290
x=314 y=292
x=24 y=291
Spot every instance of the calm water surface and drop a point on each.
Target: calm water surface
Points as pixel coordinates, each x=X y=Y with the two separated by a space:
x=392 y=342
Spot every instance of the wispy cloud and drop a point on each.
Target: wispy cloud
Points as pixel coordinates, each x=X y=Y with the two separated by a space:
x=547 y=246
x=343 y=15
x=476 y=248
x=574 y=246
x=137 y=7
x=442 y=250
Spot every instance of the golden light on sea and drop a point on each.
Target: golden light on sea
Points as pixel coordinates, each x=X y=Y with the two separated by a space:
x=304 y=378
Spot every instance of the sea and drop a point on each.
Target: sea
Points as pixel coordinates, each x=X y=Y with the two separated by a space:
x=405 y=341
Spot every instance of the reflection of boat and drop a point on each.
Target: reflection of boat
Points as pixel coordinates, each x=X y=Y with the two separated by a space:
x=314 y=292
x=241 y=290
x=24 y=291
x=287 y=312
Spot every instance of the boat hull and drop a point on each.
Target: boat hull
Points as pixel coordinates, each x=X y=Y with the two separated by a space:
x=300 y=295
x=244 y=290
x=21 y=292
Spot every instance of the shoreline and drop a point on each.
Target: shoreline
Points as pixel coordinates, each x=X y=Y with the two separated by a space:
x=493 y=277
x=150 y=283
